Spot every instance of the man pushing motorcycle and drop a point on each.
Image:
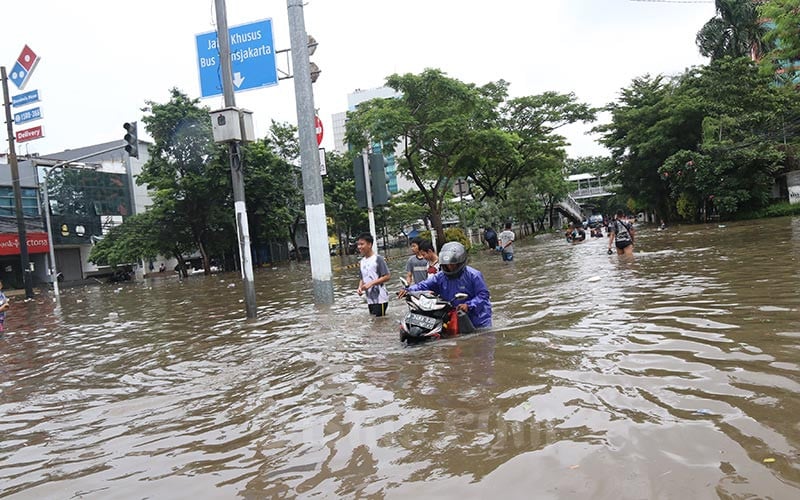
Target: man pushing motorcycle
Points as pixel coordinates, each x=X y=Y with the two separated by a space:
x=457 y=277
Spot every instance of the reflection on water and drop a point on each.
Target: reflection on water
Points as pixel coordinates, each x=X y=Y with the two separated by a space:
x=672 y=375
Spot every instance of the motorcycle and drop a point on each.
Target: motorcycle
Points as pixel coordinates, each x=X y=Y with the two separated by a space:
x=430 y=317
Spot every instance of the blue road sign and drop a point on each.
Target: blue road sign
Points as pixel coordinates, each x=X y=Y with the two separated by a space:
x=26 y=98
x=252 y=58
x=27 y=116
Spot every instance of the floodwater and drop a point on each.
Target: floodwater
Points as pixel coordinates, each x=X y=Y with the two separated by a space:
x=674 y=375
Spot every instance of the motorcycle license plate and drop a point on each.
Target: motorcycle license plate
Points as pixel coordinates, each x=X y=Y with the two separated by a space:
x=421 y=320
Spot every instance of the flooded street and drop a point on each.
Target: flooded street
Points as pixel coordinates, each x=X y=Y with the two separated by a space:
x=675 y=375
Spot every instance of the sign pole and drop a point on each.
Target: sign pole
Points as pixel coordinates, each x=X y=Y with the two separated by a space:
x=237 y=178
x=12 y=160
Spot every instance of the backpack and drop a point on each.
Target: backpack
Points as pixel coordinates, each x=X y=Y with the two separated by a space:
x=622 y=231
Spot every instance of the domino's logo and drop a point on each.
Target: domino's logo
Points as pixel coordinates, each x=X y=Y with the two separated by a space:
x=23 y=68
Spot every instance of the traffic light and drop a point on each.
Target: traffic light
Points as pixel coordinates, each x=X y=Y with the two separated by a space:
x=132 y=142
x=361 y=184
x=377 y=172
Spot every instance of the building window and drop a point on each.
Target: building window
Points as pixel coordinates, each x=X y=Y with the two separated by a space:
x=30 y=204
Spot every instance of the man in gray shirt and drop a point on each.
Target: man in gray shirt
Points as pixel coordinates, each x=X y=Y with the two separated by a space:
x=417 y=265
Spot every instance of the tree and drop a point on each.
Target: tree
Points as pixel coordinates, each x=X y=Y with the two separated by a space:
x=272 y=189
x=340 y=198
x=736 y=30
x=143 y=236
x=528 y=128
x=649 y=123
x=404 y=210
x=733 y=168
x=187 y=170
x=597 y=165
x=433 y=121
x=783 y=39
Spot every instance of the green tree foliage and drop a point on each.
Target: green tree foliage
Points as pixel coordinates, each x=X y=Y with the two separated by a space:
x=597 y=165
x=341 y=205
x=434 y=121
x=186 y=170
x=736 y=30
x=649 y=123
x=523 y=141
x=405 y=210
x=783 y=39
x=190 y=184
x=449 y=129
x=732 y=167
x=143 y=236
x=272 y=186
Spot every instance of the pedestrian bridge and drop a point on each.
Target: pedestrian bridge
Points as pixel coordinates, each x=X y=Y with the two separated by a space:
x=570 y=208
x=590 y=186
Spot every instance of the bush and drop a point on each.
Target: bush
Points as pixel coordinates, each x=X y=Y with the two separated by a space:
x=780 y=209
x=450 y=234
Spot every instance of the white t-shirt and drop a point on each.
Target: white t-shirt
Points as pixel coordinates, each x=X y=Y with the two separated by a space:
x=372 y=268
x=505 y=237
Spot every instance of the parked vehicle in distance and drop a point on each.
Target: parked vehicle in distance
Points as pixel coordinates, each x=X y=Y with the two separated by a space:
x=595 y=220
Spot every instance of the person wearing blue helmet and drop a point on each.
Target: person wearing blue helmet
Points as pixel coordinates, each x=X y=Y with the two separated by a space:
x=457 y=277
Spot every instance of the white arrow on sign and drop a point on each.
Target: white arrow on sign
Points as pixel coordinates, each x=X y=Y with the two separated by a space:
x=238 y=79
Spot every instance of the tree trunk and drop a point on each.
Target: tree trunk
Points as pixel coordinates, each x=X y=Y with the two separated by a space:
x=436 y=222
x=204 y=256
x=293 y=238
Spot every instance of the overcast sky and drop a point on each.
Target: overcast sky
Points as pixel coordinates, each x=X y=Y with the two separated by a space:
x=99 y=63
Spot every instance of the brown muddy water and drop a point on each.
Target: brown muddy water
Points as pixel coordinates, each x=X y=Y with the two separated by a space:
x=674 y=375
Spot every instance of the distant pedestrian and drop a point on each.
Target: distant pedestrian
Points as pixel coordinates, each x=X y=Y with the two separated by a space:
x=507 y=243
x=3 y=308
x=490 y=236
x=417 y=266
x=621 y=234
x=374 y=273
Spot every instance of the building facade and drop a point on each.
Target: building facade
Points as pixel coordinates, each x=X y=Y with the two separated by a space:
x=394 y=181
x=86 y=199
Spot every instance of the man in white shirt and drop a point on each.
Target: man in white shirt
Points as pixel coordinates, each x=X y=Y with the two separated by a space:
x=507 y=243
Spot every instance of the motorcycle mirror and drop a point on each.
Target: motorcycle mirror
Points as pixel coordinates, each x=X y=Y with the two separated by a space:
x=461 y=296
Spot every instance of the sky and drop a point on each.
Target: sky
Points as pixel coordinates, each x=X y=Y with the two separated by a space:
x=101 y=62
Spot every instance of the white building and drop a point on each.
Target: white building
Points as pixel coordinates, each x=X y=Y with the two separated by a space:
x=395 y=181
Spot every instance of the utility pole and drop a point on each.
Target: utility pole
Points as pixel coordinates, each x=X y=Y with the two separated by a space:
x=12 y=160
x=316 y=222
x=368 y=189
x=237 y=178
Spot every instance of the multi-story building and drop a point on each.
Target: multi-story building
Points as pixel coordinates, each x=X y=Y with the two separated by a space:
x=395 y=182
x=87 y=198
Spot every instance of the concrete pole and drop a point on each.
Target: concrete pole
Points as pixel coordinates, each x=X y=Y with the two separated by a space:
x=237 y=178
x=316 y=222
x=52 y=251
x=12 y=160
x=368 y=189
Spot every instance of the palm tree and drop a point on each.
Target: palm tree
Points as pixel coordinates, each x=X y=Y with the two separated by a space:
x=736 y=30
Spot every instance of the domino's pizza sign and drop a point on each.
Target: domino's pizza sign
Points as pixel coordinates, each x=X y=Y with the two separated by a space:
x=21 y=72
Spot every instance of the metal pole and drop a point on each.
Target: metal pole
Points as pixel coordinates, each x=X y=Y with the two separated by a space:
x=52 y=252
x=12 y=160
x=316 y=222
x=368 y=185
x=237 y=179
